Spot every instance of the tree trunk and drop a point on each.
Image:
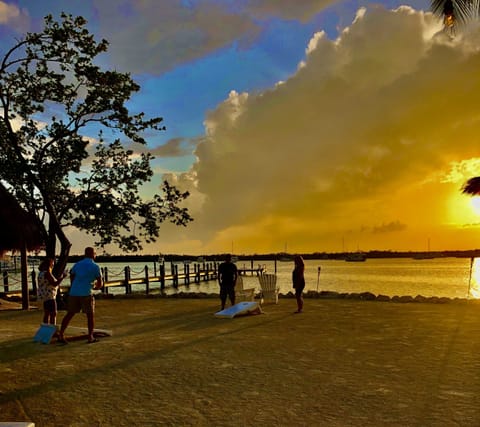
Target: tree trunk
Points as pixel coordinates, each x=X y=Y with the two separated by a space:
x=24 y=276
x=55 y=231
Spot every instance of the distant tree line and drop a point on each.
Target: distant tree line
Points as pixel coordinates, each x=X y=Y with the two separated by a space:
x=130 y=258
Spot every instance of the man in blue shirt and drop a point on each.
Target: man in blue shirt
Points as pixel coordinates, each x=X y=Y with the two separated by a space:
x=85 y=276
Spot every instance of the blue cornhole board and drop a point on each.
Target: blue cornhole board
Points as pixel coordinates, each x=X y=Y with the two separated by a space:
x=242 y=308
x=45 y=333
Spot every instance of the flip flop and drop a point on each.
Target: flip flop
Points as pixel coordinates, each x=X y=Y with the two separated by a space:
x=62 y=341
x=92 y=341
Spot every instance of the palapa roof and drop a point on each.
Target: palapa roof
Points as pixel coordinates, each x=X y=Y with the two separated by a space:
x=17 y=226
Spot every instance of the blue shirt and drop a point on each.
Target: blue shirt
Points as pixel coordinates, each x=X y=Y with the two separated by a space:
x=85 y=272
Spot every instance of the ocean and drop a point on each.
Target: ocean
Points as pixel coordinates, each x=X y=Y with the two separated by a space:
x=441 y=277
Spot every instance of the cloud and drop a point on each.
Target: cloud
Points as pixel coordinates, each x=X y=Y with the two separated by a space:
x=175 y=147
x=8 y=12
x=347 y=142
x=286 y=9
x=146 y=38
x=13 y=16
x=151 y=39
x=389 y=227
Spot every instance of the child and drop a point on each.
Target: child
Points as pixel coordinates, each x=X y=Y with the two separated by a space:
x=47 y=290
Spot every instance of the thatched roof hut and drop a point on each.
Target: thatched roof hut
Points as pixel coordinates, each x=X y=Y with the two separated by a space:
x=19 y=230
x=472 y=186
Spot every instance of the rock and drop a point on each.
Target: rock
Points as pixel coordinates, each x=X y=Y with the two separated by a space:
x=367 y=296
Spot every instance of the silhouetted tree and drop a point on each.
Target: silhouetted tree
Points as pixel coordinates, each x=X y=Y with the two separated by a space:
x=54 y=100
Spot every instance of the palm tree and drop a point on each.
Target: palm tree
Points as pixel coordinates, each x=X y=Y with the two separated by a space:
x=472 y=186
x=455 y=12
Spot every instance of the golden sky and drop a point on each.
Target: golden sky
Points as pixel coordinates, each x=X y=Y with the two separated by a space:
x=366 y=146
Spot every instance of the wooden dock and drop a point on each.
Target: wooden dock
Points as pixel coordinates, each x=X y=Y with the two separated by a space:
x=165 y=275
x=190 y=273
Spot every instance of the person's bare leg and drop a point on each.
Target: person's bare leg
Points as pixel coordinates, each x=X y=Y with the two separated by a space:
x=91 y=326
x=65 y=322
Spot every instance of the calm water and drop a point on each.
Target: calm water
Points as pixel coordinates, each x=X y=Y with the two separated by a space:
x=442 y=277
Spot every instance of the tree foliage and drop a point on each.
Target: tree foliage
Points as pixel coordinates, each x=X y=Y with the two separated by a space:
x=54 y=102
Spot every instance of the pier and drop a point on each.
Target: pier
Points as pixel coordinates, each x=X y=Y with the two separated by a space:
x=164 y=275
x=187 y=274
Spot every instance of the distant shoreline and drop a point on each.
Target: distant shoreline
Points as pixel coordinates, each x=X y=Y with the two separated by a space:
x=277 y=256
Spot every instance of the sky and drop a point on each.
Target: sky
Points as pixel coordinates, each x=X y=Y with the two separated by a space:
x=296 y=125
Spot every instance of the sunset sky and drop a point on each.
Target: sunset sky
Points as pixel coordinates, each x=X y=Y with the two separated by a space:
x=311 y=125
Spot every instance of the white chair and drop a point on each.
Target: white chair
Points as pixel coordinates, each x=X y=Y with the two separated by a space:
x=242 y=294
x=268 y=287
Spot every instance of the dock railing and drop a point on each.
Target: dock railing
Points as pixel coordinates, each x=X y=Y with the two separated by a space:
x=164 y=275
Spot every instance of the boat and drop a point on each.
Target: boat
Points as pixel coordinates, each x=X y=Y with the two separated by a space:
x=284 y=256
x=356 y=257
x=425 y=255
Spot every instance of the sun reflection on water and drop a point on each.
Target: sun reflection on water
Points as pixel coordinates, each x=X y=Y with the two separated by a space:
x=475 y=278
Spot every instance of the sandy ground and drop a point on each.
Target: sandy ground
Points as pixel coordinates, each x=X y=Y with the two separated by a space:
x=171 y=362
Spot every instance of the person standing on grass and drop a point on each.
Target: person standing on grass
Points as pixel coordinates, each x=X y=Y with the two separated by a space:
x=47 y=290
x=85 y=276
x=227 y=276
x=298 y=280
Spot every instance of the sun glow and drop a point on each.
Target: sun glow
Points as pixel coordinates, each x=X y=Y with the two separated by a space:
x=475 y=204
x=474 y=278
x=462 y=209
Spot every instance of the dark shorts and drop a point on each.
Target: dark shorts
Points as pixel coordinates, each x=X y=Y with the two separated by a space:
x=50 y=305
x=85 y=304
x=227 y=290
x=299 y=291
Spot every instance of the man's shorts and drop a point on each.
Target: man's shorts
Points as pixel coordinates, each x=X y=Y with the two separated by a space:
x=85 y=304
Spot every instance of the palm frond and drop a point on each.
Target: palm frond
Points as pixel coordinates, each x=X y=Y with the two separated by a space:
x=472 y=186
x=455 y=11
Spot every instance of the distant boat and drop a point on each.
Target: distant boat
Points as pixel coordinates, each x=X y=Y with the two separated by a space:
x=356 y=257
x=425 y=255
x=284 y=256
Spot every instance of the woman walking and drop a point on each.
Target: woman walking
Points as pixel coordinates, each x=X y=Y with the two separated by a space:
x=298 y=280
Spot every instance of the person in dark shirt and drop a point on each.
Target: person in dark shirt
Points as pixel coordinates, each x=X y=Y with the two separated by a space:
x=298 y=280
x=227 y=276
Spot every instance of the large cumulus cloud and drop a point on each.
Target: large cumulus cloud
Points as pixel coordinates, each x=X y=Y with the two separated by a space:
x=350 y=142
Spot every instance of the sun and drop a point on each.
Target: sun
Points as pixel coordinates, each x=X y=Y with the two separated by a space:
x=475 y=204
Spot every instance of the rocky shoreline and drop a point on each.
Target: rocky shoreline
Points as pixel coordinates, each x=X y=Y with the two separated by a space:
x=14 y=302
x=363 y=296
